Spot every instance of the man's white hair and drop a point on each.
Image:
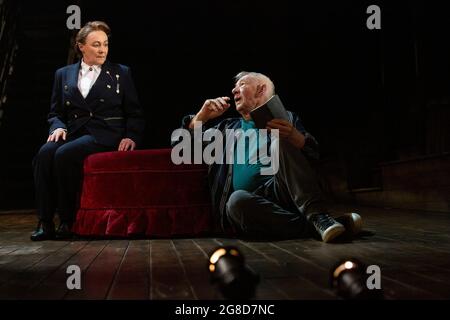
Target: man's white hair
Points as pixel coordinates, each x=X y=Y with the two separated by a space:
x=262 y=79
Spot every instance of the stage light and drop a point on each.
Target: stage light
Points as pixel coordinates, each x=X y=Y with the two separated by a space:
x=231 y=275
x=349 y=281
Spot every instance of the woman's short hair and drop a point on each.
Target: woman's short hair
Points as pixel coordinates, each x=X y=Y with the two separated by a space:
x=88 y=28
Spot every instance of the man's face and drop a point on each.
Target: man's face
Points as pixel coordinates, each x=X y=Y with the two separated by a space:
x=95 y=49
x=245 y=94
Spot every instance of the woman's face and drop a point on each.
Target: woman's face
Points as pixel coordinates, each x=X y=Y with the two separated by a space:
x=95 y=48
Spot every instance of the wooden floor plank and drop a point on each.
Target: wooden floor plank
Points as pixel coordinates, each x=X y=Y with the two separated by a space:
x=132 y=281
x=329 y=255
x=14 y=263
x=99 y=276
x=286 y=271
x=168 y=277
x=412 y=249
x=55 y=286
x=195 y=261
x=19 y=284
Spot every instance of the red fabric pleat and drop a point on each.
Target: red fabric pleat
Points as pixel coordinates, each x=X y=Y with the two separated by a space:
x=142 y=193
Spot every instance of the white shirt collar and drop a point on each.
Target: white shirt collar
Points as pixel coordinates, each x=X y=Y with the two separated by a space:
x=85 y=67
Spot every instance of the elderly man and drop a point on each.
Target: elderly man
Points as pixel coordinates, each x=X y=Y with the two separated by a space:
x=285 y=204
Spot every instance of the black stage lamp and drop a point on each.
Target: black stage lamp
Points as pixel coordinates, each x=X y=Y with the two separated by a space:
x=229 y=272
x=349 y=281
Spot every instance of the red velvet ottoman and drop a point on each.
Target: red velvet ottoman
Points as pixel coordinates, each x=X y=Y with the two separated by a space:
x=143 y=193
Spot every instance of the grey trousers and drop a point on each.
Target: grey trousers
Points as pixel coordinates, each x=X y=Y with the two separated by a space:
x=280 y=207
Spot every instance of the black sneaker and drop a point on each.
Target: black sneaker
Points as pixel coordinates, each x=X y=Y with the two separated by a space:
x=326 y=226
x=352 y=222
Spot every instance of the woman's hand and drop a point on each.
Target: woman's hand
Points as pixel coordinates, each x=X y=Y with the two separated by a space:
x=57 y=134
x=126 y=144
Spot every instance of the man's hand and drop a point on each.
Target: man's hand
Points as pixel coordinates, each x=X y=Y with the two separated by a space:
x=126 y=144
x=287 y=131
x=212 y=108
x=57 y=134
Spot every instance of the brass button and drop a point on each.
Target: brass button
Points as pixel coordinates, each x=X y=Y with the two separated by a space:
x=67 y=103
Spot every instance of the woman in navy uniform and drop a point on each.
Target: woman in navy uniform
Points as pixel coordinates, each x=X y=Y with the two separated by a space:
x=94 y=108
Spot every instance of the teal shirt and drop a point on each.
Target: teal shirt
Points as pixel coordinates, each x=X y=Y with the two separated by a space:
x=248 y=176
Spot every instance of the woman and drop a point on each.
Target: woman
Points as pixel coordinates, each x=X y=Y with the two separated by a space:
x=94 y=108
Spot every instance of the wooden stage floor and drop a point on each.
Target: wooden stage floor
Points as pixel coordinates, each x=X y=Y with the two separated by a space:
x=411 y=248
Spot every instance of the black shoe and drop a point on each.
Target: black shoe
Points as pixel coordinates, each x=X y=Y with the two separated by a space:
x=44 y=231
x=64 y=231
x=328 y=228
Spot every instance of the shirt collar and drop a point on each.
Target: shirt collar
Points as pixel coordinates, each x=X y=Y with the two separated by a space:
x=248 y=123
x=85 y=67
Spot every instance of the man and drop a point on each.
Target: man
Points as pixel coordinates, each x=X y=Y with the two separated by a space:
x=94 y=108
x=285 y=204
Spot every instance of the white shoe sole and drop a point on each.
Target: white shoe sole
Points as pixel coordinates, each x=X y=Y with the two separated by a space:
x=333 y=232
x=352 y=222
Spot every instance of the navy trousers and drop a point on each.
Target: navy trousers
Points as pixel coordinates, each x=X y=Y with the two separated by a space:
x=58 y=168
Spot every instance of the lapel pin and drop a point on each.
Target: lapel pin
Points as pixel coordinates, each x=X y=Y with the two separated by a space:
x=118 y=87
x=109 y=74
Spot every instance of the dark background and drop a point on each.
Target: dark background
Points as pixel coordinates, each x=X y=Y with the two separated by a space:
x=368 y=96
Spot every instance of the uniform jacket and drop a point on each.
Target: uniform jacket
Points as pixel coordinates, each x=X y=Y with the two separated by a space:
x=110 y=112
